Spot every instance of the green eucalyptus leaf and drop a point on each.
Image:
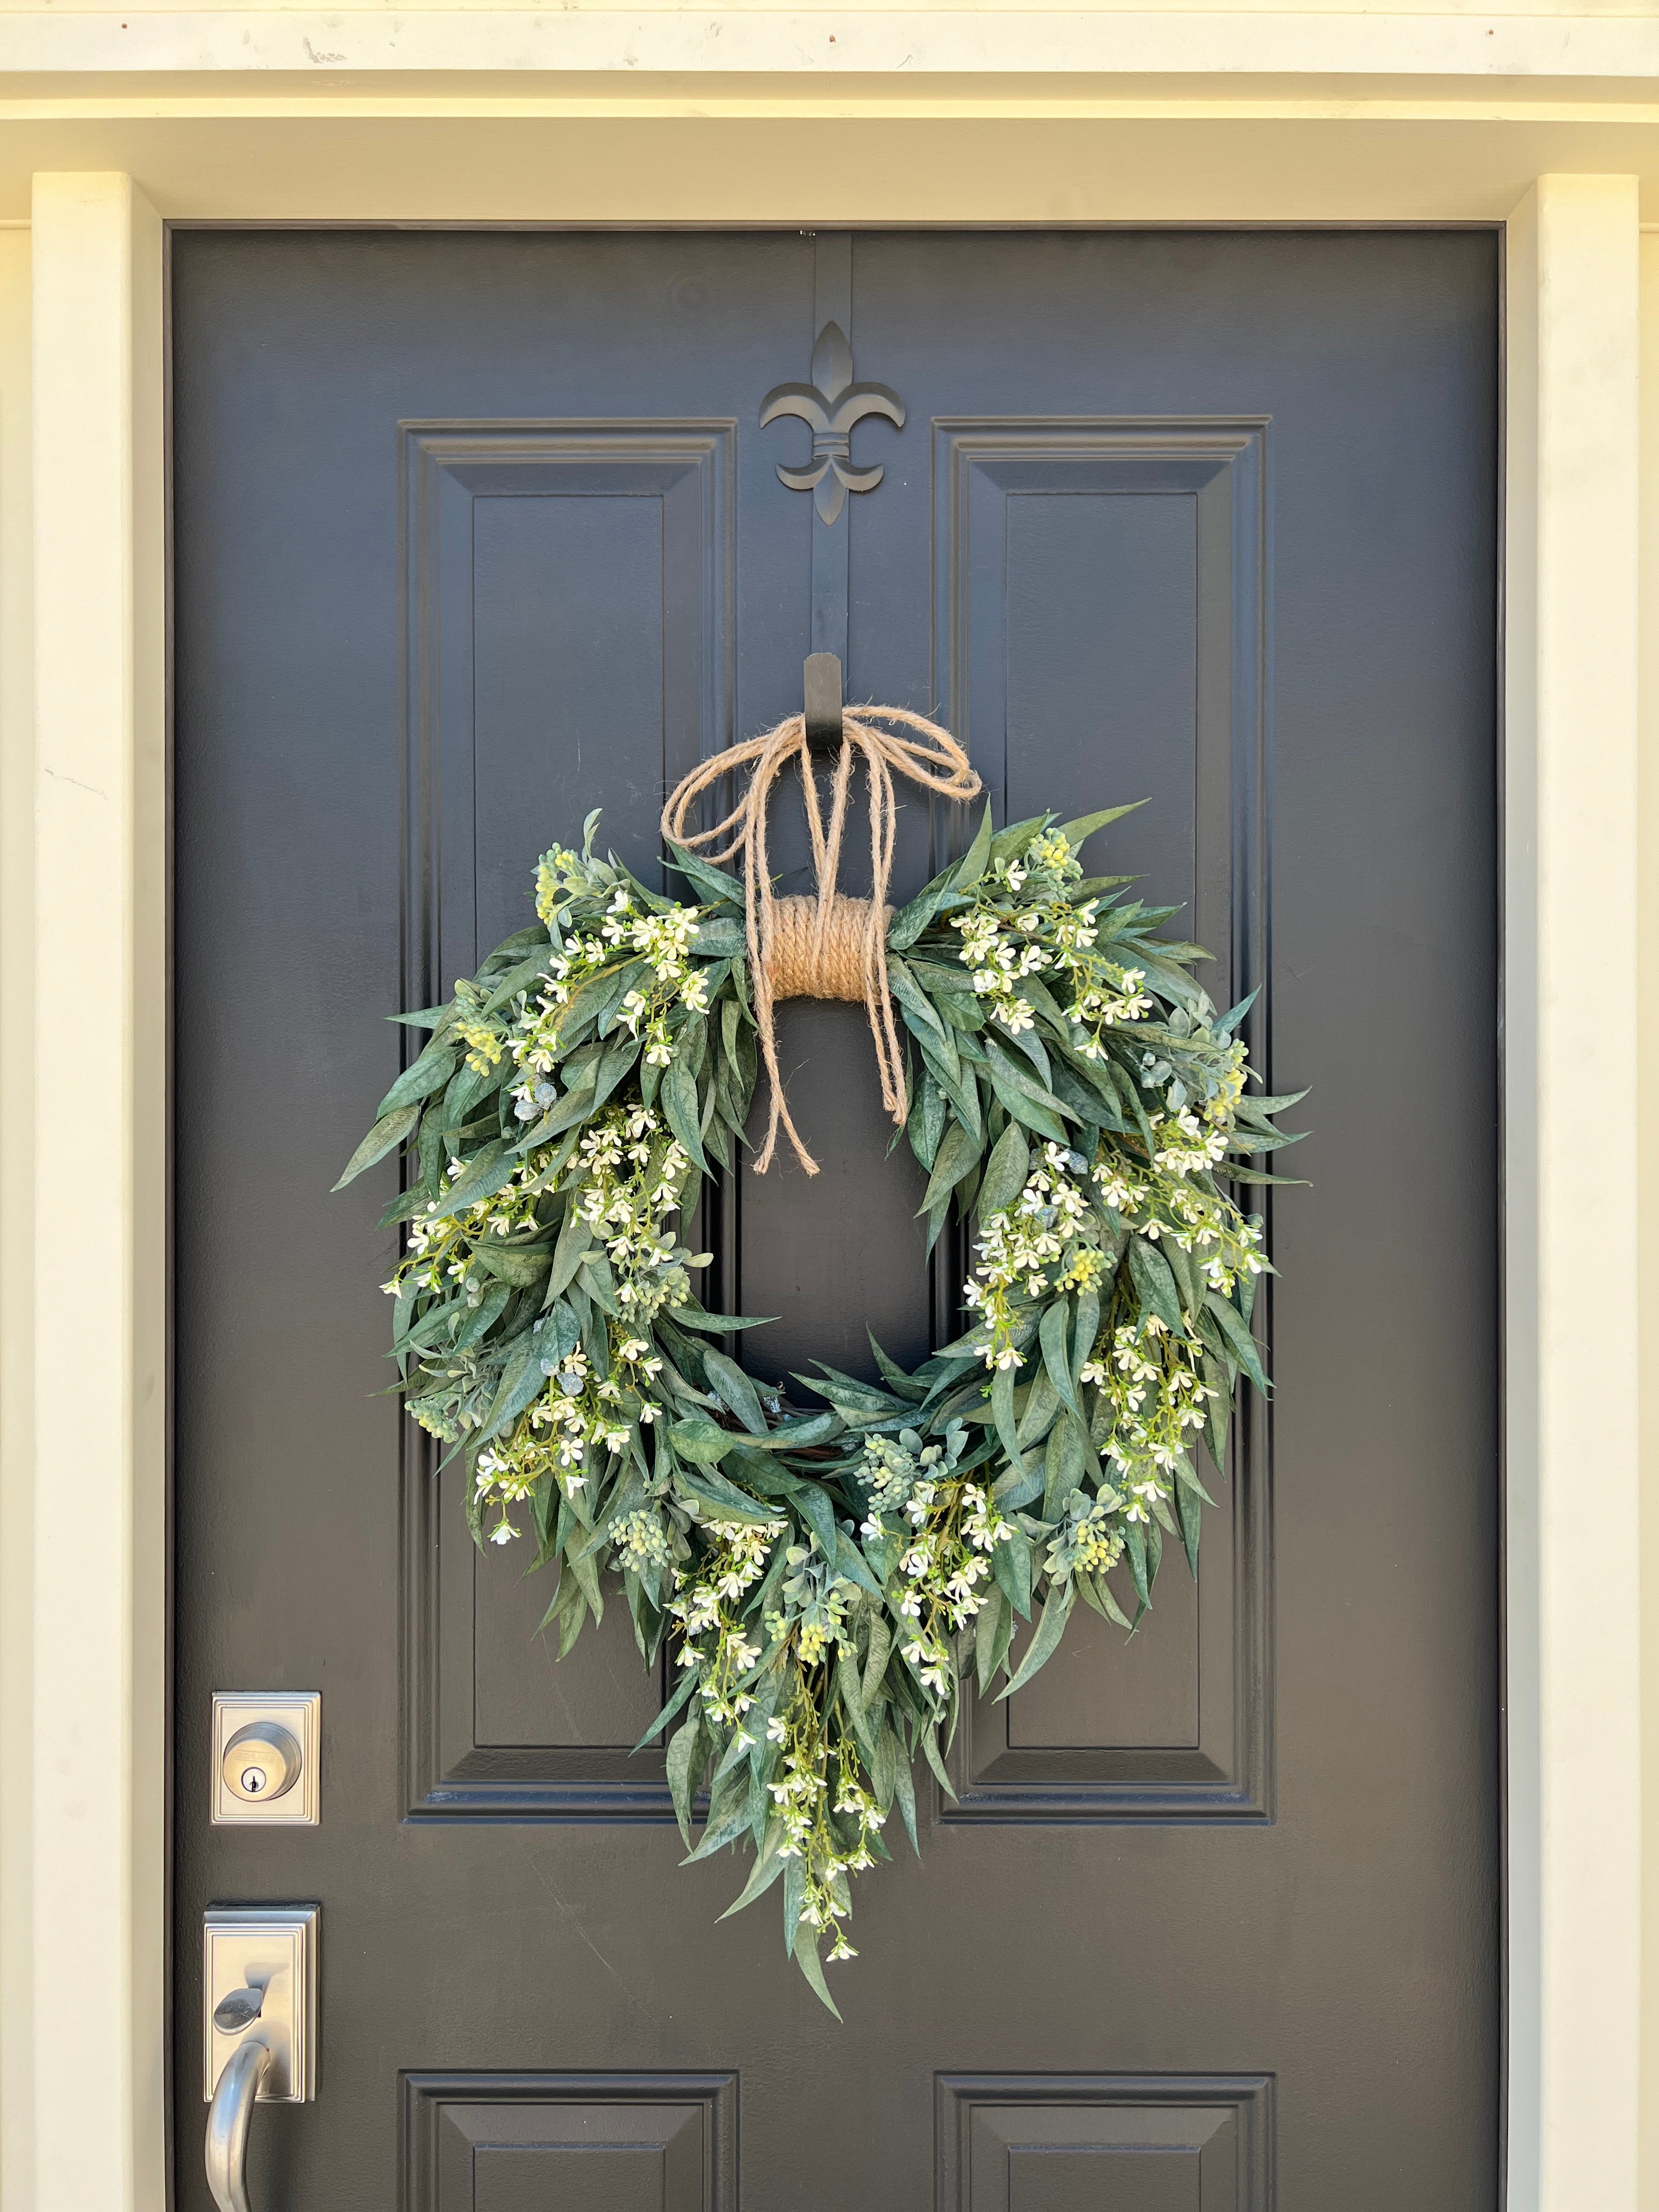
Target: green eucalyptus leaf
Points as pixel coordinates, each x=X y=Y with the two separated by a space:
x=1010 y=1563
x=729 y=1384
x=723 y=1499
x=702 y=1440
x=1134 y=1545
x=1056 y=1356
x=1154 y=1284
x=1056 y=1611
x=1188 y=1507
x=518 y=1264
x=728 y=1816
x=430 y=1072
x=876 y=1658
x=715 y=883
x=1078 y=833
x=575 y=1240
x=931 y=1752
x=1008 y=844
x=576 y=1106
x=1017 y=1100
x=985 y=1637
x=388 y=1132
x=689 y=1744
x=806 y=1947
x=690 y=1316
x=973 y=862
x=722 y=938
x=769 y=1864
x=850 y=1561
x=518 y=978
x=1006 y=1172
x=815 y=1509
x=910 y=920
x=956 y=1154
x=1042 y=1403
x=910 y=995
x=1240 y=1342
x=679 y=1103
x=688 y=1683
x=485 y=1173
x=521 y=1380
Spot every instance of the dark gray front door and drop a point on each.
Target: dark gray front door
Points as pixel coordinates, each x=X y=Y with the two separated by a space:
x=475 y=533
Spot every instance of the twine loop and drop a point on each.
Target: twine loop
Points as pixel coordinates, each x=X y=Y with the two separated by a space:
x=827 y=946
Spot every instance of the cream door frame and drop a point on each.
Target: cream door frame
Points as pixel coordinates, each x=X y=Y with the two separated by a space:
x=84 y=1263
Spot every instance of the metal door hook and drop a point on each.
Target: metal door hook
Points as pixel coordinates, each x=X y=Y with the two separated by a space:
x=822 y=688
x=227 y=2124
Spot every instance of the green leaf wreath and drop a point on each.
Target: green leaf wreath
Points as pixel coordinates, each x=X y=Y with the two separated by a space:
x=826 y=1579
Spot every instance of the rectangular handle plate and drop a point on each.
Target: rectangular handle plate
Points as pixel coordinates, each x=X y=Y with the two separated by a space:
x=272 y=1949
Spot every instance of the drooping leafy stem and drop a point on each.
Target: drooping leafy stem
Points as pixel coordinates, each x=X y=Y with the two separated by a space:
x=827 y=1580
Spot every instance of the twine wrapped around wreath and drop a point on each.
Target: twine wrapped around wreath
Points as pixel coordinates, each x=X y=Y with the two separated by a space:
x=827 y=946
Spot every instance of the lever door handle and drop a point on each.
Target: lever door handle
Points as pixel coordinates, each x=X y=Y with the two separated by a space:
x=259 y=2027
x=227 y=2124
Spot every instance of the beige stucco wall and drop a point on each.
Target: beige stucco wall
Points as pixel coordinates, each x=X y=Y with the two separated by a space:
x=933 y=114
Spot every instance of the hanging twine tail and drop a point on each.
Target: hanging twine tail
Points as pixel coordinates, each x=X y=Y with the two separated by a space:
x=825 y=946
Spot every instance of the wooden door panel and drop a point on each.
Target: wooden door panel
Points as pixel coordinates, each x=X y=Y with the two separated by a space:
x=1135 y=2143
x=615 y=2142
x=598 y=1698
x=568 y=609
x=567 y=597
x=1100 y=610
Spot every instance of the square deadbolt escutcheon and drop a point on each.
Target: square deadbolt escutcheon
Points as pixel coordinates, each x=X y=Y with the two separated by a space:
x=267 y=1754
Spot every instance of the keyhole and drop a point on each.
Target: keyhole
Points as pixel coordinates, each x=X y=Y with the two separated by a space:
x=261 y=1760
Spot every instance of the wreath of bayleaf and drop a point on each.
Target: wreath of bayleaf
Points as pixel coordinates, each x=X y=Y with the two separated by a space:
x=826 y=1580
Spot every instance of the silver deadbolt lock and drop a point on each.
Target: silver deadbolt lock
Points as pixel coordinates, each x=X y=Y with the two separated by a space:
x=265 y=1751
x=261 y=1760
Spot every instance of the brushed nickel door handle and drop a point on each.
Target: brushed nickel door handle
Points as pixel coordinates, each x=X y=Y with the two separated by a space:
x=227 y=2124
x=259 y=2027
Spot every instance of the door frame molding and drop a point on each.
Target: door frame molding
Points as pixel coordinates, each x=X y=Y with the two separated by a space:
x=84 y=1264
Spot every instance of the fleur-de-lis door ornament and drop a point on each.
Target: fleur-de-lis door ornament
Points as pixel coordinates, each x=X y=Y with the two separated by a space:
x=831 y=405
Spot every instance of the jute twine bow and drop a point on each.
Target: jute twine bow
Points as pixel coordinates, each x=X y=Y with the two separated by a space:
x=827 y=946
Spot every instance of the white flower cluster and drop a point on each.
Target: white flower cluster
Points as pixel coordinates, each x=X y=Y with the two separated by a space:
x=955 y=1526
x=1022 y=922
x=438 y=1248
x=1152 y=1383
x=1159 y=1204
x=628 y=1174
x=573 y=1417
x=663 y=940
x=945 y=1561
x=1184 y=1145
x=534 y=1039
x=1048 y=1239
x=801 y=1796
x=635 y=1172
x=708 y=1604
x=1001 y=963
x=662 y=937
